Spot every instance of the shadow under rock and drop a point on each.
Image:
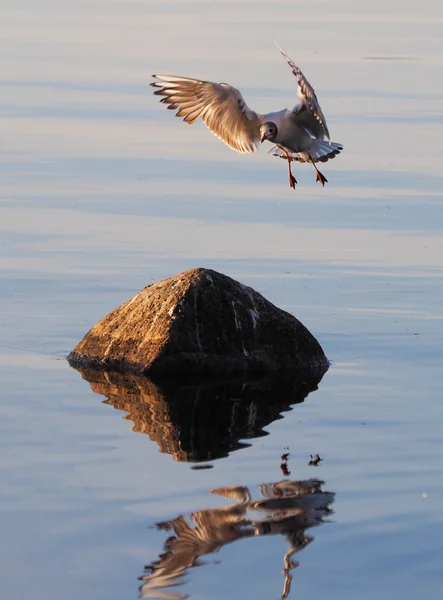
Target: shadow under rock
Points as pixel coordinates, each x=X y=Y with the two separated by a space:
x=287 y=508
x=202 y=420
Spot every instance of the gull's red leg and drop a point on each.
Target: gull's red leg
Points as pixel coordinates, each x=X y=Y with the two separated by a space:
x=320 y=177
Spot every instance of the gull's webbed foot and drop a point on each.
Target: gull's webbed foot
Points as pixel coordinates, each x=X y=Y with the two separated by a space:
x=292 y=181
x=321 y=178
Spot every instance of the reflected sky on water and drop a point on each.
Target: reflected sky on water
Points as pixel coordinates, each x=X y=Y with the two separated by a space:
x=104 y=192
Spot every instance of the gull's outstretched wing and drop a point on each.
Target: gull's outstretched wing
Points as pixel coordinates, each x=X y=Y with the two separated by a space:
x=307 y=95
x=221 y=107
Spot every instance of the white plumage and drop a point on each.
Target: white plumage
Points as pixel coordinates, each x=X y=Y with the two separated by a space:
x=297 y=134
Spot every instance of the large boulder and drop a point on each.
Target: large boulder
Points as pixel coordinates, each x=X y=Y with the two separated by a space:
x=199 y=321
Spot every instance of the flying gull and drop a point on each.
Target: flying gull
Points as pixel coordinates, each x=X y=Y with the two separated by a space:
x=297 y=134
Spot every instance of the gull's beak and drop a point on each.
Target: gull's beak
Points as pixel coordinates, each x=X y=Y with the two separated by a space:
x=263 y=137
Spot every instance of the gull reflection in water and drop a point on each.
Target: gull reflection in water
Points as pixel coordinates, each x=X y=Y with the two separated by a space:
x=286 y=508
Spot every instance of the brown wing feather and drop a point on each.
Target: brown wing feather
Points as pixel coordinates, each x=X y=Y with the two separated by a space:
x=220 y=106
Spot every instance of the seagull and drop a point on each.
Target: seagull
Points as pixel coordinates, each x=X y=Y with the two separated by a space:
x=297 y=134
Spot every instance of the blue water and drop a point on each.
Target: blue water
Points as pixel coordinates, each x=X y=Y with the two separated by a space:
x=104 y=192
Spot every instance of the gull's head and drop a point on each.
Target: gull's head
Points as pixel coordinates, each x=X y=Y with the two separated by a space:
x=268 y=131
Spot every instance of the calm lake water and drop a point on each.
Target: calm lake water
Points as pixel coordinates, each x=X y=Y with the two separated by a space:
x=104 y=192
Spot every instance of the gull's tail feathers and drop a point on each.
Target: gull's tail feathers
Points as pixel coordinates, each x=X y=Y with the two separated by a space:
x=320 y=151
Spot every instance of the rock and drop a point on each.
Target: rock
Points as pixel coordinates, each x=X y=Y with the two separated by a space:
x=205 y=419
x=199 y=321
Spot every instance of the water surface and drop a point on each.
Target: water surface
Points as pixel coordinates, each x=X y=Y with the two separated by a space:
x=104 y=192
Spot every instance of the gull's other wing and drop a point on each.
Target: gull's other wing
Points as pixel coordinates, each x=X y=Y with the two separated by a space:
x=307 y=95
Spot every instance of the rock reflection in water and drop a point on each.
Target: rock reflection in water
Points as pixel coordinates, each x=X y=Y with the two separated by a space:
x=200 y=421
x=287 y=508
